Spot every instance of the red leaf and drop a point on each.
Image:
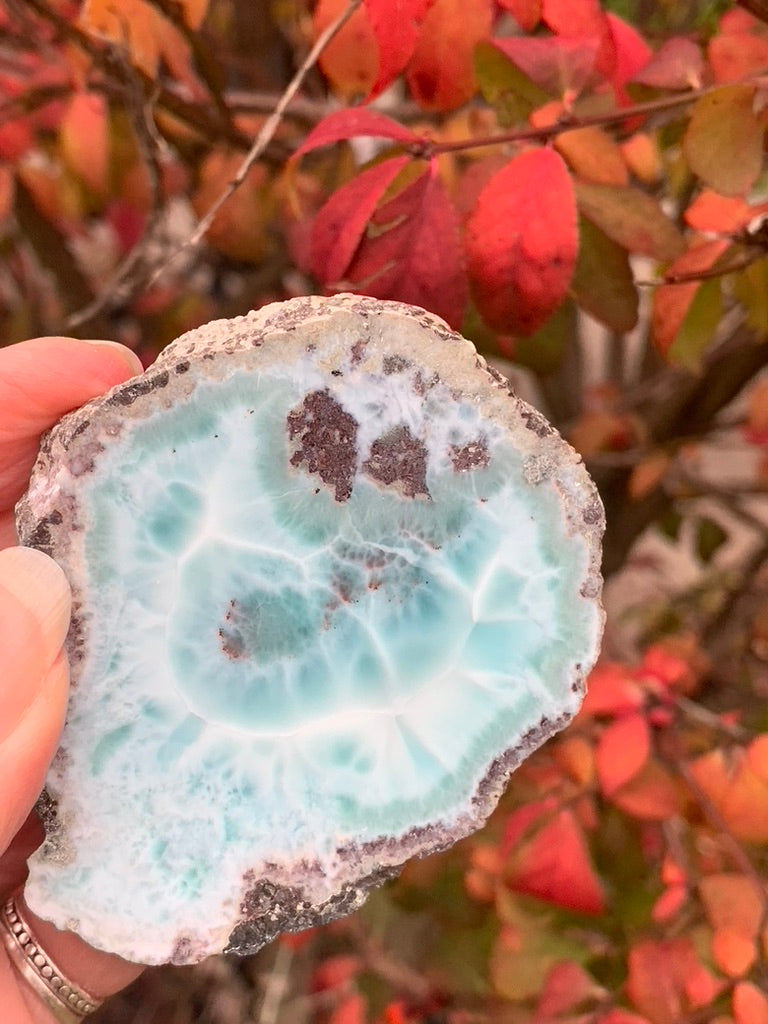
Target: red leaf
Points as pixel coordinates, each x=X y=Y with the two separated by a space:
x=736 y=56
x=622 y=751
x=558 y=66
x=555 y=866
x=350 y=1010
x=611 y=690
x=527 y=13
x=396 y=25
x=84 y=139
x=620 y=1016
x=739 y=794
x=583 y=18
x=658 y=972
x=441 y=74
x=351 y=123
x=652 y=795
x=350 y=60
x=521 y=251
x=413 y=252
x=339 y=225
x=632 y=53
x=566 y=986
x=677 y=64
x=671 y=302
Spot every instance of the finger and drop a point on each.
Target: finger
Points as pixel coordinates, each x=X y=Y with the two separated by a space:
x=34 y=678
x=40 y=381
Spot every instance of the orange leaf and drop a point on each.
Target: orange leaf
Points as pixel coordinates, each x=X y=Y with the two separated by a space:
x=593 y=155
x=441 y=73
x=735 y=56
x=351 y=1009
x=622 y=751
x=130 y=24
x=757 y=756
x=732 y=902
x=723 y=214
x=238 y=229
x=702 y=987
x=750 y=1005
x=566 y=986
x=658 y=972
x=521 y=253
x=641 y=153
x=611 y=690
x=555 y=866
x=575 y=756
x=740 y=796
x=671 y=302
x=351 y=59
x=648 y=475
x=732 y=953
x=652 y=795
x=84 y=140
x=7 y=190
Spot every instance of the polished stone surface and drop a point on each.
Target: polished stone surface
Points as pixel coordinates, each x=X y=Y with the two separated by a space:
x=332 y=583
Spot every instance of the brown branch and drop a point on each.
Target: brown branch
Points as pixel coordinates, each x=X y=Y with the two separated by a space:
x=266 y=134
x=757 y=7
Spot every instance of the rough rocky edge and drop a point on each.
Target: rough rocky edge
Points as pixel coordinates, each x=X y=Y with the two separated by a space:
x=332 y=583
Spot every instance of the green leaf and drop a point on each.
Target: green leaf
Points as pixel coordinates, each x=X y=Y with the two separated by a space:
x=634 y=220
x=709 y=537
x=603 y=284
x=698 y=326
x=724 y=140
x=511 y=93
x=751 y=289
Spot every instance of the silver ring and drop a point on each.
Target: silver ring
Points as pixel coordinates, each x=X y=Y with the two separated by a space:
x=68 y=1003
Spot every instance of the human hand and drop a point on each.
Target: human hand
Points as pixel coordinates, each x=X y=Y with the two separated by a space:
x=40 y=380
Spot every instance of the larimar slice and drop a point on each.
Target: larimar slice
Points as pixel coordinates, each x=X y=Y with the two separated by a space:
x=332 y=583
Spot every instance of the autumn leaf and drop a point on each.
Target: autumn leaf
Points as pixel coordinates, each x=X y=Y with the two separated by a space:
x=632 y=54
x=622 y=750
x=648 y=475
x=238 y=228
x=351 y=123
x=411 y=251
x=554 y=864
x=658 y=973
x=724 y=215
x=521 y=251
x=441 y=73
x=677 y=64
x=527 y=13
x=652 y=795
x=131 y=24
x=603 y=283
x=732 y=953
x=643 y=158
x=681 y=330
x=84 y=140
x=584 y=18
x=504 y=85
x=737 y=55
x=593 y=155
x=351 y=60
x=621 y=1016
x=566 y=986
x=750 y=1005
x=611 y=690
x=7 y=190
x=723 y=143
x=339 y=225
x=631 y=218
x=559 y=66
x=396 y=25
x=350 y=1009
x=737 y=792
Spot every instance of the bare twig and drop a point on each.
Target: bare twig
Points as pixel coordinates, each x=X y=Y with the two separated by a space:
x=266 y=134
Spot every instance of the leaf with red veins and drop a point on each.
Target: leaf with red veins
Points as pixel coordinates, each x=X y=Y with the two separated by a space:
x=522 y=242
x=396 y=25
x=557 y=65
x=351 y=123
x=584 y=18
x=412 y=253
x=339 y=225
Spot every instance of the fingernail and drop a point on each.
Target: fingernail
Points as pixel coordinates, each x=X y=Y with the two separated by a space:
x=130 y=358
x=39 y=584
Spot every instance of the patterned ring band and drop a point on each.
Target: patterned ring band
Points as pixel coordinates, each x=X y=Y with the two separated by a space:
x=68 y=1003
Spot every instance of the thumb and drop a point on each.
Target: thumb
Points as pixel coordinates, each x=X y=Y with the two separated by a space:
x=34 y=678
